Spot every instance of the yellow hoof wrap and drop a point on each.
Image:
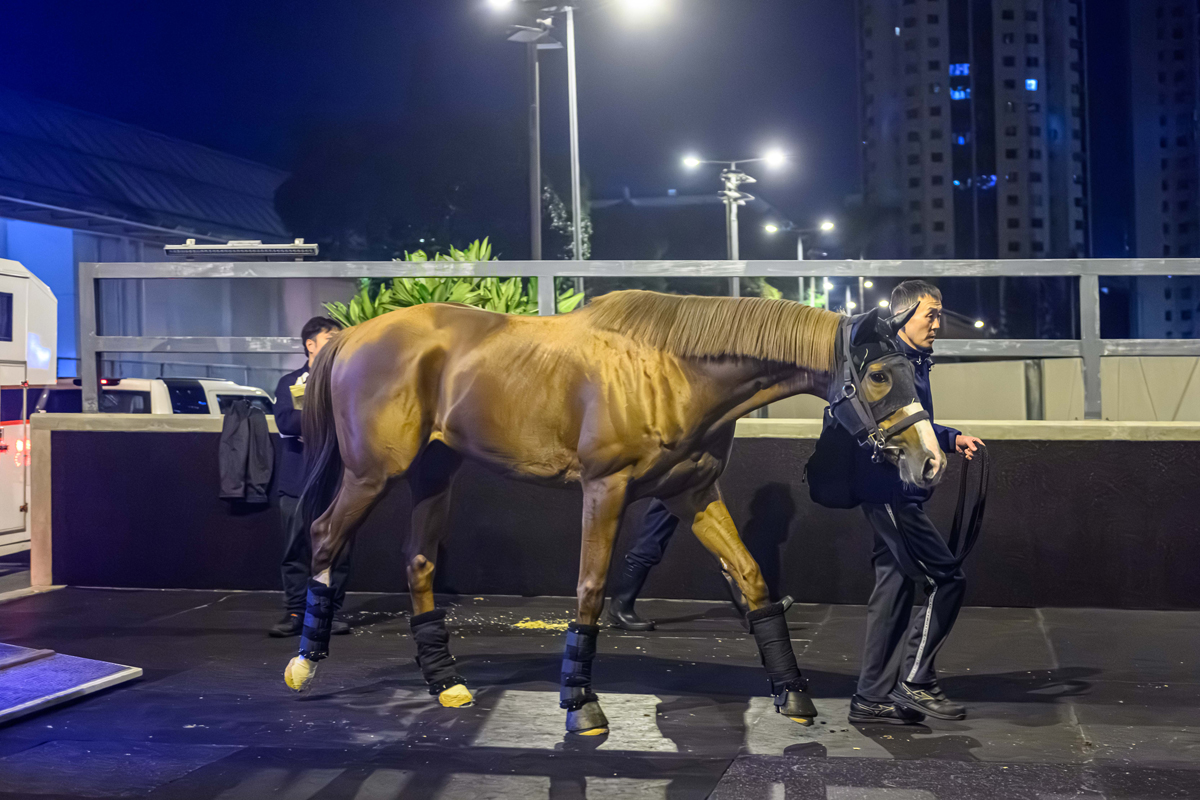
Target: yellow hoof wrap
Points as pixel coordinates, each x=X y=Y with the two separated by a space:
x=456 y=696
x=593 y=732
x=299 y=674
x=805 y=721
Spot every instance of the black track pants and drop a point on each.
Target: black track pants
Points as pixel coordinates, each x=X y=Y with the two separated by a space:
x=909 y=552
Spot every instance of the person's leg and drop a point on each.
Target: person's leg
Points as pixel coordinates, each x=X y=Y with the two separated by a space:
x=294 y=568
x=658 y=526
x=945 y=586
x=889 y=612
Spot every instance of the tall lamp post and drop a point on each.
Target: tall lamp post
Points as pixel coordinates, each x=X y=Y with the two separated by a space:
x=826 y=226
x=732 y=179
x=568 y=10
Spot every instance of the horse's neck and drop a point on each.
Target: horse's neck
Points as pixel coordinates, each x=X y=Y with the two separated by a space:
x=740 y=386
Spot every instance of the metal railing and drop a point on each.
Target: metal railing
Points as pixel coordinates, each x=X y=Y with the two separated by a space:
x=1089 y=347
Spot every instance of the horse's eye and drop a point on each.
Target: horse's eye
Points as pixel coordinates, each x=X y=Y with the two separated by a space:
x=879 y=377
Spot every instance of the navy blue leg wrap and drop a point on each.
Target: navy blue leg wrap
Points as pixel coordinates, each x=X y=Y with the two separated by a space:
x=433 y=651
x=318 y=619
x=769 y=626
x=576 y=686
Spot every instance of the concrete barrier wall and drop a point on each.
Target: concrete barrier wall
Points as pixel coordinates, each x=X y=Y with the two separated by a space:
x=1080 y=514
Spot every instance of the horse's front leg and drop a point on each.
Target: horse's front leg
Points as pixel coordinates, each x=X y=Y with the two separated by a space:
x=714 y=527
x=603 y=502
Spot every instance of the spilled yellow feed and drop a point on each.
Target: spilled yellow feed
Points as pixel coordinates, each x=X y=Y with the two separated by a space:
x=541 y=624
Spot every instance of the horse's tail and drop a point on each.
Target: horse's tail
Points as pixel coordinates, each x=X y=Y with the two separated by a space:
x=322 y=456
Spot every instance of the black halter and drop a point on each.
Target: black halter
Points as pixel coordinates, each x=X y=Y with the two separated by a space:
x=856 y=415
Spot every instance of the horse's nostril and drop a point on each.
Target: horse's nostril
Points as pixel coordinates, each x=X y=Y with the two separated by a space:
x=930 y=469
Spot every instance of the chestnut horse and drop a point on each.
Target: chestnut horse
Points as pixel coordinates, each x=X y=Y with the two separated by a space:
x=635 y=395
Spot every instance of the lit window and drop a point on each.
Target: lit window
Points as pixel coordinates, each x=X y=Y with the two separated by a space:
x=1031 y=84
x=960 y=69
x=960 y=94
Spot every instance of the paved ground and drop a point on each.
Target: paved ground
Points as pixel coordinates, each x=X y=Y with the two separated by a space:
x=1064 y=704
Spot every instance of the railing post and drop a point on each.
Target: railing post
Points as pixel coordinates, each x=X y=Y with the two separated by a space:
x=547 y=306
x=85 y=327
x=1090 y=345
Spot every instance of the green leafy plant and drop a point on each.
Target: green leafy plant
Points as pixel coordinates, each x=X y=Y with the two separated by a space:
x=507 y=296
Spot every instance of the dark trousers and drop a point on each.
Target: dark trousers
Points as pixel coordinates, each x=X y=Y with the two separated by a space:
x=909 y=552
x=658 y=526
x=297 y=560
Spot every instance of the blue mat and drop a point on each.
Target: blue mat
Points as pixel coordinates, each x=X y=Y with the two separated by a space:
x=54 y=679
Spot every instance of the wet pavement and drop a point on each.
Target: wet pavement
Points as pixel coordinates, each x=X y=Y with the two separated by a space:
x=1064 y=703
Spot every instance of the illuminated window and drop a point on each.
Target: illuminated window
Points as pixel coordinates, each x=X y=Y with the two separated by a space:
x=1031 y=84
x=960 y=94
x=960 y=69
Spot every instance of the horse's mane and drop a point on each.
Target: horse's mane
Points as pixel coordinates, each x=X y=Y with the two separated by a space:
x=698 y=327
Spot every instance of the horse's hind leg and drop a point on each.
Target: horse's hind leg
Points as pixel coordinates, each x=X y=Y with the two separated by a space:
x=603 y=503
x=330 y=534
x=431 y=479
x=714 y=527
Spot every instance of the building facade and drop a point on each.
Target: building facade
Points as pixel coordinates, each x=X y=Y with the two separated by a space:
x=973 y=127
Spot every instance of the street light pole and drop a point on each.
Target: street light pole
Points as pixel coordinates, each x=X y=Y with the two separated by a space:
x=535 y=155
x=573 y=111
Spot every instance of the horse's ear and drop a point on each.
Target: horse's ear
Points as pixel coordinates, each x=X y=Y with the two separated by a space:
x=864 y=328
x=897 y=323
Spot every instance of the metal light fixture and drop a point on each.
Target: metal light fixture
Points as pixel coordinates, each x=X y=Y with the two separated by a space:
x=978 y=323
x=827 y=225
x=884 y=304
x=771 y=228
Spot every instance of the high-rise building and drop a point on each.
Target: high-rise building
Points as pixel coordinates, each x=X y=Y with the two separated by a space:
x=973 y=126
x=1166 y=165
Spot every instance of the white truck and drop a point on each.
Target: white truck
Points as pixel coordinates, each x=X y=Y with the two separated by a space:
x=28 y=357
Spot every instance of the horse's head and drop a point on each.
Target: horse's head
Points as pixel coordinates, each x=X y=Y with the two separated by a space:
x=878 y=400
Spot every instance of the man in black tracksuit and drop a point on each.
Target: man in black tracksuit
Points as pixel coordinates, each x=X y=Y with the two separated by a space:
x=289 y=484
x=897 y=682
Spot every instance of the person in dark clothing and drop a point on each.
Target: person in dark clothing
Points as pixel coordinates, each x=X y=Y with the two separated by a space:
x=289 y=484
x=897 y=681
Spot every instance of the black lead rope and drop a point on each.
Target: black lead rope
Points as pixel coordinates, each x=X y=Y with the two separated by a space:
x=963 y=541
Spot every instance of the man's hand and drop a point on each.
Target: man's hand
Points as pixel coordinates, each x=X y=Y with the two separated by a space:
x=967 y=446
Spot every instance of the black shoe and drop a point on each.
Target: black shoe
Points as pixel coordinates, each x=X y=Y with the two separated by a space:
x=290 y=625
x=339 y=628
x=626 y=586
x=864 y=711
x=929 y=700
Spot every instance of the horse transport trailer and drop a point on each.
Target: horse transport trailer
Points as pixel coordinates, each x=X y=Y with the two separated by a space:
x=28 y=357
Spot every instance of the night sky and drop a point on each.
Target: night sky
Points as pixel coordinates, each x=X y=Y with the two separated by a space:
x=265 y=80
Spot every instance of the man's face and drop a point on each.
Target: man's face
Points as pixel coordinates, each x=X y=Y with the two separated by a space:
x=922 y=329
x=315 y=344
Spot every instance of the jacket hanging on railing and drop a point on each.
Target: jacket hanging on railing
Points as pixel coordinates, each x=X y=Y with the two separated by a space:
x=246 y=456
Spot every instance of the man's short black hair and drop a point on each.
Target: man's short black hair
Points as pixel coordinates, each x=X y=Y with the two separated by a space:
x=909 y=293
x=318 y=325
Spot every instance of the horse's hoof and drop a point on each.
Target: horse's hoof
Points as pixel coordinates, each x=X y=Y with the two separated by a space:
x=457 y=696
x=589 y=720
x=299 y=674
x=798 y=707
